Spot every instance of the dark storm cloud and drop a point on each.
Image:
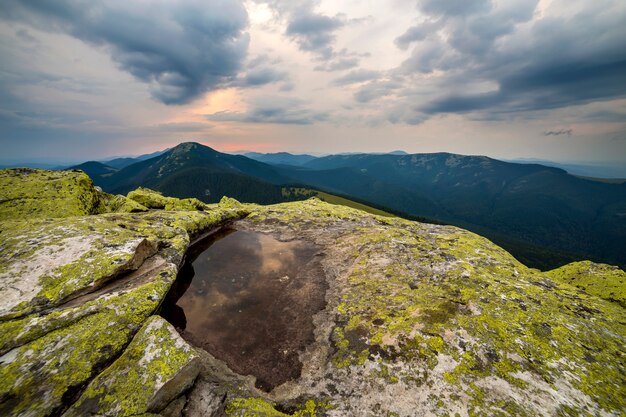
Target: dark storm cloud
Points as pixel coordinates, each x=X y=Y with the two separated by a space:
x=278 y=110
x=462 y=104
x=477 y=34
x=502 y=66
x=180 y=49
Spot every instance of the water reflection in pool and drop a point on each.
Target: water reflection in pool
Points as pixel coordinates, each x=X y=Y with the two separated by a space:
x=248 y=299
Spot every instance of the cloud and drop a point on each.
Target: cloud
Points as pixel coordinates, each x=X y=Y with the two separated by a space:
x=337 y=64
x=182 y=127
x=312 y=24
x=24 y=35
x=416 y=33
x=340 y=61
x=453 y=7
x=429 y=56
x=15 y=77
x=261 y=76
x=314 y=32
x=262 y=70
x=356 y=76
x=505 y=59
x=560 y=132
x=378 y=89
x=616 y=114
x=180 y=49
x=278 y=110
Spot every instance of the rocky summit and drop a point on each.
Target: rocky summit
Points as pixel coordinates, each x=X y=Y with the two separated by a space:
x=417 y=319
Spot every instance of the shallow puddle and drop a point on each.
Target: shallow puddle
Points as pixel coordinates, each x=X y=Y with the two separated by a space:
x=249 y=299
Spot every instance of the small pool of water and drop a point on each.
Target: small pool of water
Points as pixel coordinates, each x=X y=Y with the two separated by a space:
x=248 y=299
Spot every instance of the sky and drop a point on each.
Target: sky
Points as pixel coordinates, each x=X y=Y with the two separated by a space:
x=89 y=79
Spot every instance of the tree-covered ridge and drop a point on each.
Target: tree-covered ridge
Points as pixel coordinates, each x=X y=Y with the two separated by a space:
x=542 y=215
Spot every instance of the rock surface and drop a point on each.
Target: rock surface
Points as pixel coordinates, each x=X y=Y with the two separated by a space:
x=154 y=200
x=427 y=320
x=154 y=369
x=605 y=281
x=75 y=286
x=30 y=193
x=420 y=319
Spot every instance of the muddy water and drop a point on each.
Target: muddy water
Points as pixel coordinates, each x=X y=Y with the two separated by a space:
x=249 y=299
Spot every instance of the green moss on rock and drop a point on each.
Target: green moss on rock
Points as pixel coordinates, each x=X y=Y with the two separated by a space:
x=69 y=304
x=34 y=193
x=155 y=200
x=36 y=378
x=604 y=281
x=435 y=309
x=154 y=369
x=258 y=407
x=46 y=261
x=120 y=204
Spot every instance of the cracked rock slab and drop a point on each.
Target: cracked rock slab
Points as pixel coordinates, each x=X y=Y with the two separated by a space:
x=156 y=368
x=39 y=378
x=34 y=193
x=47 y=261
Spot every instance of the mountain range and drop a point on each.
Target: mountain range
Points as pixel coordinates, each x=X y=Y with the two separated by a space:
x=542 y=215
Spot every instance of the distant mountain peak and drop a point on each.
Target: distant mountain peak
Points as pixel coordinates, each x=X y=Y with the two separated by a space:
x=185 y=147
x=191 y=149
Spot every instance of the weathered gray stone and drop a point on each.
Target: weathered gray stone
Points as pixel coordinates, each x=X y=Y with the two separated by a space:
x=175 y=408
x=205 y=400
x=155 y=368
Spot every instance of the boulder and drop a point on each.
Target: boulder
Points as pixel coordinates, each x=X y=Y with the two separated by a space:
x=155 y=200
x=33 y=193
x=155 y=368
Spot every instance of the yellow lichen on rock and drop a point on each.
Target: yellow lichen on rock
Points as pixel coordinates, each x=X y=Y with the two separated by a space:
x=155 y=200
x=80 y=273
x=604 y=281
x=32 y=193
x=425 y=311
x=154 y=369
